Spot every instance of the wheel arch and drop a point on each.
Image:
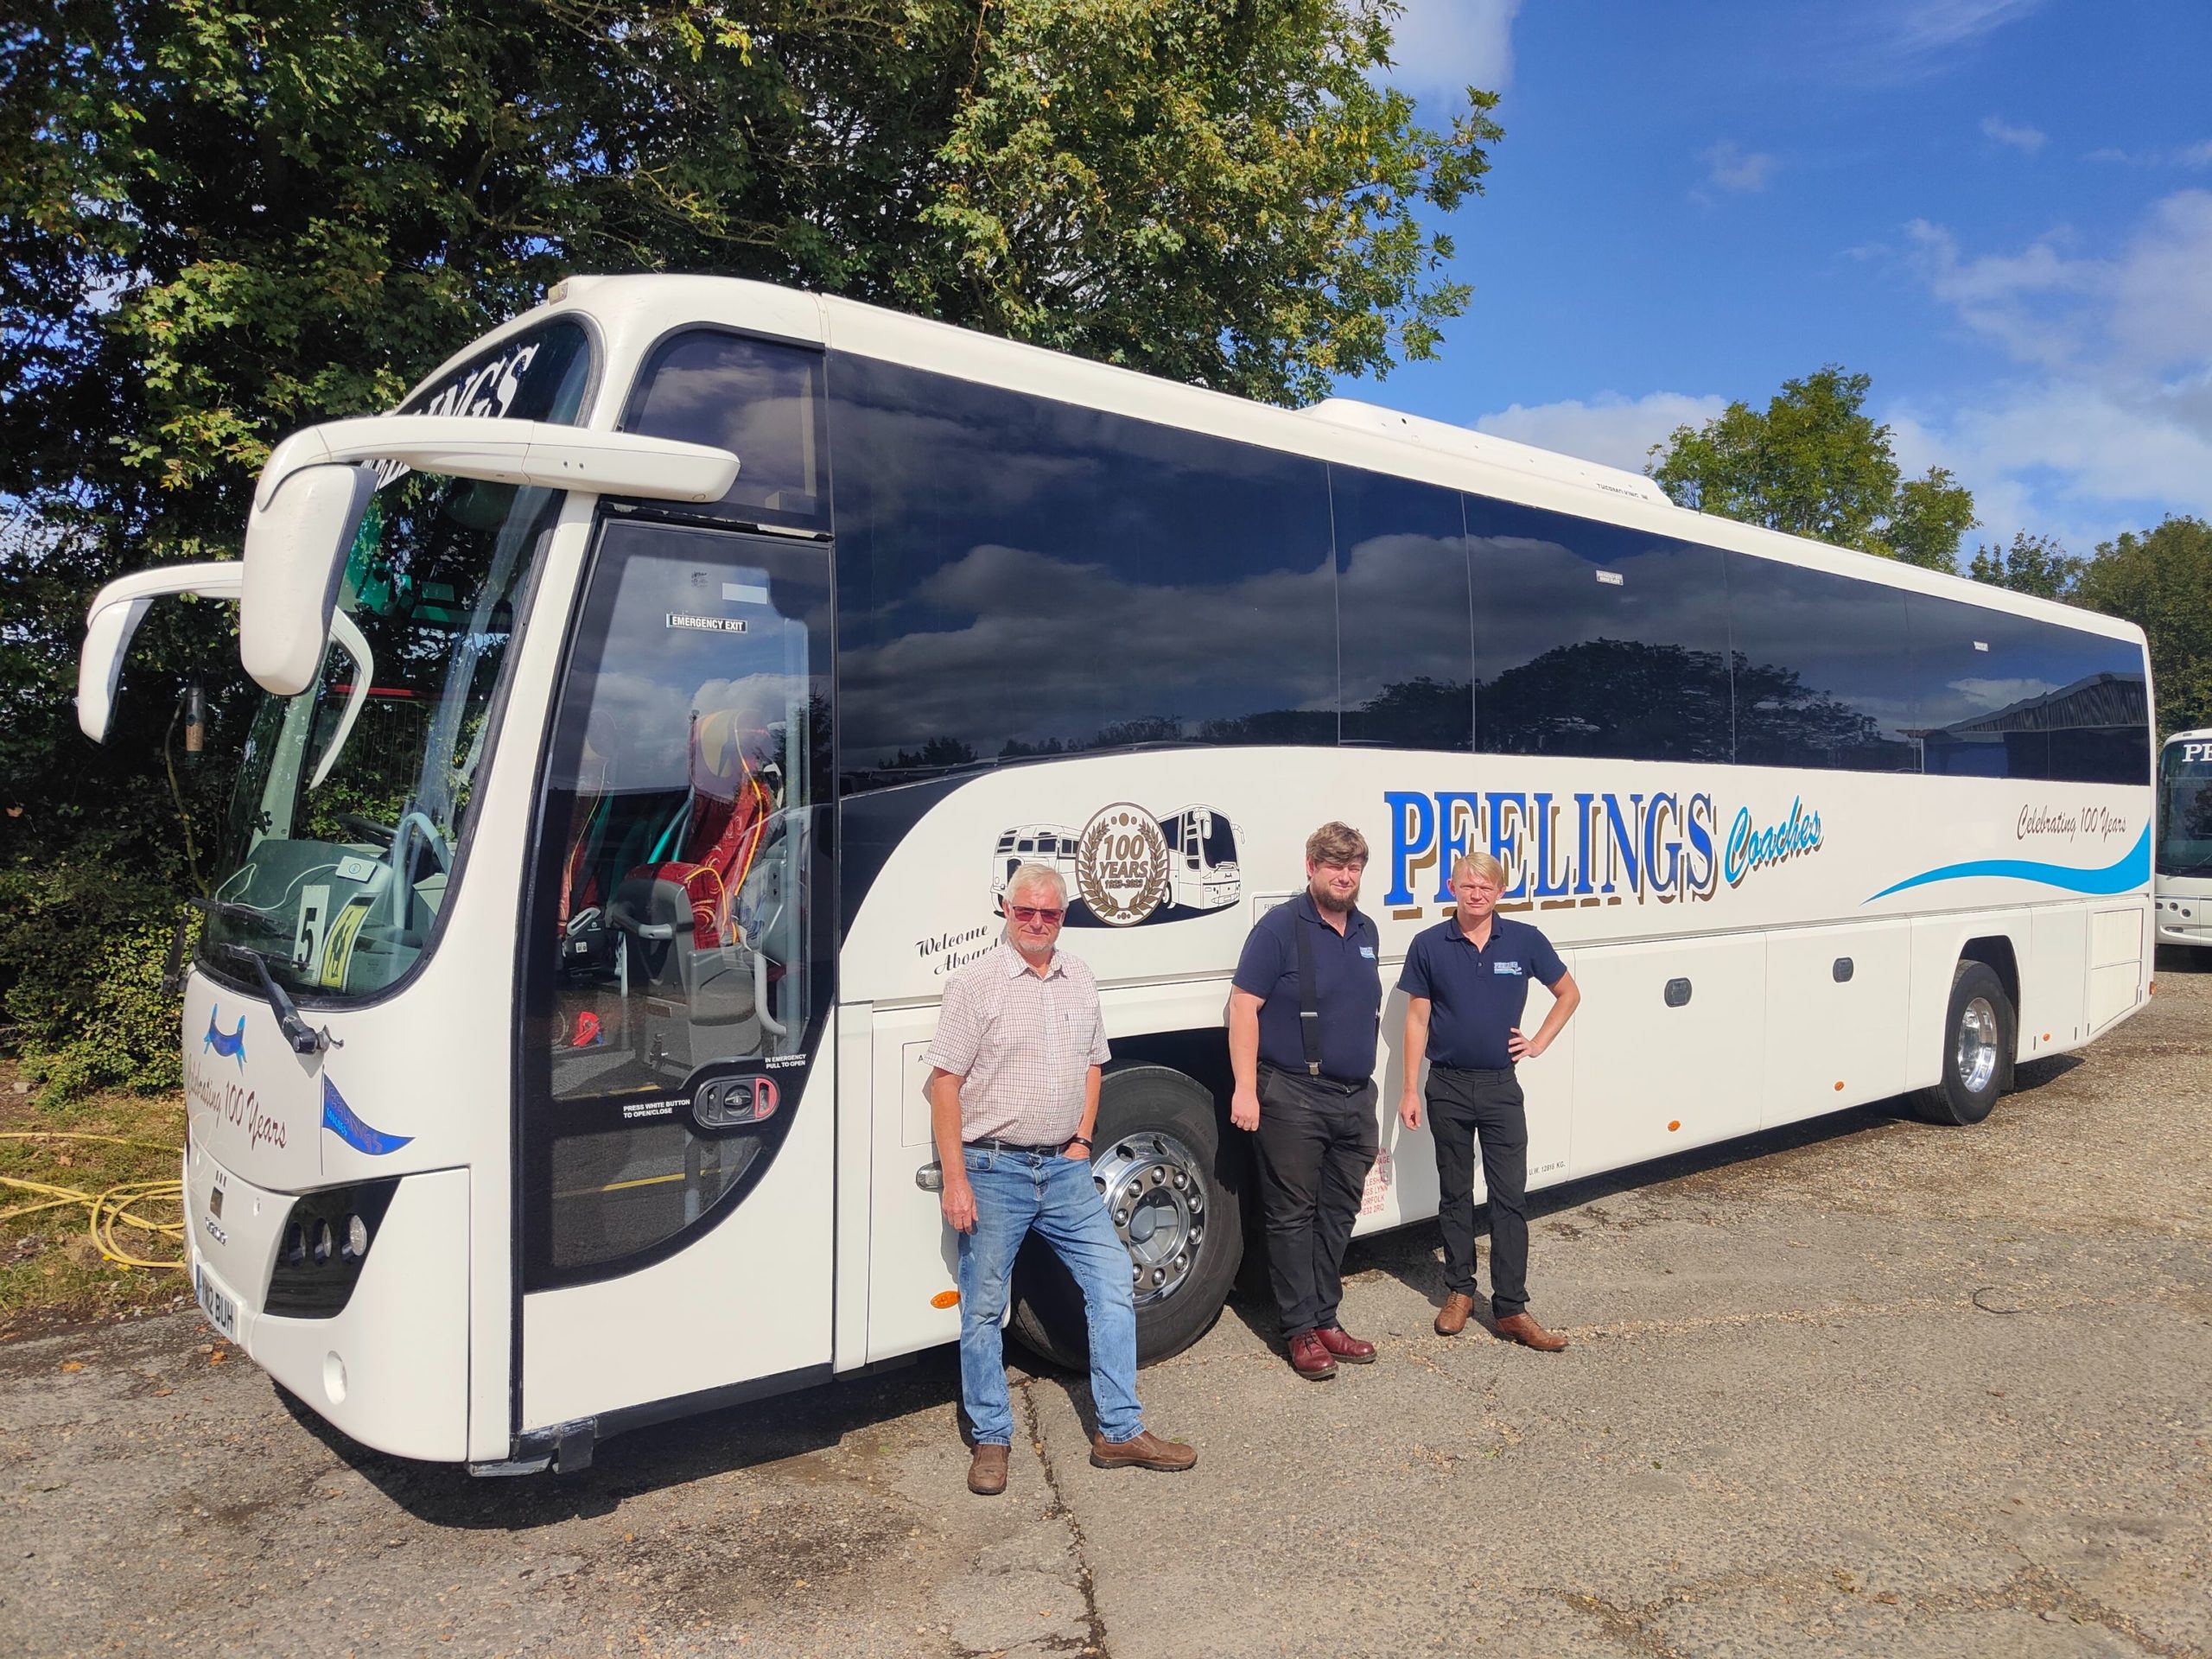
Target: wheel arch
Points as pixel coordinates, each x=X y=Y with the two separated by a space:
x=1997 y=953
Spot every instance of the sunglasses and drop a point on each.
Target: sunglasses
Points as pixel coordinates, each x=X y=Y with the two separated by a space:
x=1036 y=913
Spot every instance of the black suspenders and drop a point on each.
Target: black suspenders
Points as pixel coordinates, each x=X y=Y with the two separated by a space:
x=1309 y=1011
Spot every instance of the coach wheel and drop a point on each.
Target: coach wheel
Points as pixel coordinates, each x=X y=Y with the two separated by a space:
x=1158 y=1167
x=1978 y=1035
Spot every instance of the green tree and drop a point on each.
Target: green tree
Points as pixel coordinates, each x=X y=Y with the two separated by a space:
x=2161 y=580
x=2033 y=564
x=1815 y=464
x=222 y=219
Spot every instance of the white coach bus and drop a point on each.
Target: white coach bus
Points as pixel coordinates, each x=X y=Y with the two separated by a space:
x=2182 y=884
x=563 y=1074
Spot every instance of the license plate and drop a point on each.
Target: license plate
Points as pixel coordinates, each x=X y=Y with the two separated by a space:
x=222 y=1313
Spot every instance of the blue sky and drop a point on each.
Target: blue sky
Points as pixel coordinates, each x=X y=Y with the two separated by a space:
x=2002 y=210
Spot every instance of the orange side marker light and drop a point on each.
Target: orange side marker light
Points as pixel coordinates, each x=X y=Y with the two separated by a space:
x=1672 y=1127
x=1838 y=1085
x=945 y=1299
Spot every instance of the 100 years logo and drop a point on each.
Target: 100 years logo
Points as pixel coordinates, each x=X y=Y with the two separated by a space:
x=1120 y=865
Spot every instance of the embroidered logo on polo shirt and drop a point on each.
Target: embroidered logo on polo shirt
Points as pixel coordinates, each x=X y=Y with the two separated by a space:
x=1367 y=950
x=1513 y=968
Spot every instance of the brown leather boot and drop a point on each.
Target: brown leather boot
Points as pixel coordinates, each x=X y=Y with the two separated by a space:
x=1310 y=1359
x=1520 y=1328
x=1342 y=1344
x=1451 y=1318
x=1148 y=1451
x=987 y=1469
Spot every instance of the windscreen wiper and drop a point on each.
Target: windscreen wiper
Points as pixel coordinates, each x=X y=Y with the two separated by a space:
x=304 y=1038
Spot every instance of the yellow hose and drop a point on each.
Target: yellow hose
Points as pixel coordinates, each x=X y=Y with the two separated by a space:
x=109 y=1209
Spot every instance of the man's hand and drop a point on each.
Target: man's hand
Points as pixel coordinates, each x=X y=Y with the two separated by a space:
x=1244 y=1108
x=1409 y=1109
x=1518 y=1047
x=958 y=1201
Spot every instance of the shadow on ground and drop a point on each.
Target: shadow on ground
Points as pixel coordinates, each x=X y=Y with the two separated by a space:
x=663 y=1456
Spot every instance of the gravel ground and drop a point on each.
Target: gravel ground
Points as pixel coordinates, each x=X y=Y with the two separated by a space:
x=1862 y=1386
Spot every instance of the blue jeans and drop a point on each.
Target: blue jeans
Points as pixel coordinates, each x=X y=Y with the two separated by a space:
x=1014 y=1193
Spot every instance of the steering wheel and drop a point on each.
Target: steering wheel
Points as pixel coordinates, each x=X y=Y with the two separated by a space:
x=383 y=832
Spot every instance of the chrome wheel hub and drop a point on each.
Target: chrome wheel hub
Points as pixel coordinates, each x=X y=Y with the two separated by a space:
x=1154 y=1191
x=1976 y=1058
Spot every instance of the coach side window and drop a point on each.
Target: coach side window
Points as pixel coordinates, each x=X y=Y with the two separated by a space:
x=1404 y=649
x=759 y=398
x=1816 y=670
x=1593 y=640
x=1022 y=577
x=2002 y=695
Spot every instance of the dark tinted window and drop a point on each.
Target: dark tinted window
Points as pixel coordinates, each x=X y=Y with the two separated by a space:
x=539 y=376
x=1591 y=639
x=1020 y=578
x=2002 y=695
x=1404 y=653
x=754 y=397
x=1820 y=675
x=679 y=919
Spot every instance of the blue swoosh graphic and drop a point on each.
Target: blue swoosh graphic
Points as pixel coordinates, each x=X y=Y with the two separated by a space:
x=340 y=1119
x=230 y=1045
x=2131 y=871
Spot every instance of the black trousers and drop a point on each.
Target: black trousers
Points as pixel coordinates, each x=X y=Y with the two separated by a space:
x=1317 y=1142
x=1465 y=1109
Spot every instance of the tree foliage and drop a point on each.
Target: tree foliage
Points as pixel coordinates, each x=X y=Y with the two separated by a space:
x=1814 y=463
x=2033 y=564
x=222 y=219
x=2161 y=580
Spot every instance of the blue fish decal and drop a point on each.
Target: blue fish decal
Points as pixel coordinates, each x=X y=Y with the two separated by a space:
x=341 y=1121
x=230 y=1045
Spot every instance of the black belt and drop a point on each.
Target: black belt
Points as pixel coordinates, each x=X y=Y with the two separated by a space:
x=1490 y=1072
x=1342 y=1086
x=992 y=1143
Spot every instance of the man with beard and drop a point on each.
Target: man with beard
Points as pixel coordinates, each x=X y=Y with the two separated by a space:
x=1303 y=1012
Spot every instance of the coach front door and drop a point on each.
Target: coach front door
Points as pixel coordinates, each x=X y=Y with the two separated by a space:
x=676 y=1123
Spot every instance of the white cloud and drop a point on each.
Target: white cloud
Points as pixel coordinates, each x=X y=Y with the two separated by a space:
x=1440 y=48
x=2027 y=140
x=1610 y=430
x=1729 y=167
x=2109 y=424
x=1906 y=40
x=2198 y=155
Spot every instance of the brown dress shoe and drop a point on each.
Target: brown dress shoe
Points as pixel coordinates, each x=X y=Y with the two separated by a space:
x=1342 y=1344
x=1520 y=1328
x=987 y=1469
x=1310 y=1359
x=1451 y=1318
x=1148 y=1451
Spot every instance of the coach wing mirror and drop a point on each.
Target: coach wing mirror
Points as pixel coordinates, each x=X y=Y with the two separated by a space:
x=118 y=609
x=116 y=612
x=315 y=489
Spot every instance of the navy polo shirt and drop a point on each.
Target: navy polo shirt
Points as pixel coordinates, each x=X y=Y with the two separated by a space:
x=1477 y=996
x=1348 y=989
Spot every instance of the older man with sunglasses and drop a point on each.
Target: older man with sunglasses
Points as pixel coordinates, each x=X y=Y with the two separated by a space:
x=1014 y=1095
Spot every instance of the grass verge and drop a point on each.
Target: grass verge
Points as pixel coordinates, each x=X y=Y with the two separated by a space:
x=52 y=1270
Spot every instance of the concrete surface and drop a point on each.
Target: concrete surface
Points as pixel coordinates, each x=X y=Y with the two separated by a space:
x=1861 y=1386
